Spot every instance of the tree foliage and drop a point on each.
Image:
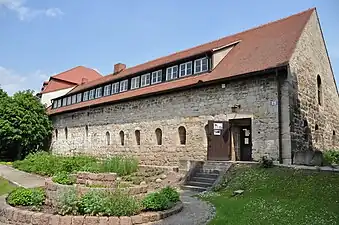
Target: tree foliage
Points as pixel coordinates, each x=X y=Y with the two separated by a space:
x=24 y=124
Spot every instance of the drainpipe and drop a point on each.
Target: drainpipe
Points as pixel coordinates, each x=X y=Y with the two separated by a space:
x=279 y=115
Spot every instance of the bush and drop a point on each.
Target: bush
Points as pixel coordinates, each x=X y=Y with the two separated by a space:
x=68 y=203
x=156 y=202
x=108 y=204
x=266 y=162
x=26 y=197
x=331 y=156
x=45 y=164
x=63 y=178
x=171 y=194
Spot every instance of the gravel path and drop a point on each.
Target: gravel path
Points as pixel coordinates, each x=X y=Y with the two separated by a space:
x=195 y=212
x=21 y=178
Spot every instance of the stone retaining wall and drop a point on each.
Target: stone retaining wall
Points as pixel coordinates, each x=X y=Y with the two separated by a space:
x=105 y=179
x=54 y=190
x=16 y=216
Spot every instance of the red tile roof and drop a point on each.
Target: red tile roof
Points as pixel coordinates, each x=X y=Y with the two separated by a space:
x=70 y=78
x=267 y=46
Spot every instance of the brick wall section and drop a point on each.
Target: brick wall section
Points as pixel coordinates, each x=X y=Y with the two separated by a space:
x=105 y=179
x=191 y=109
x=309 y=60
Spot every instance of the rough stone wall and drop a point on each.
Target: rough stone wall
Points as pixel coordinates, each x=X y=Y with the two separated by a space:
x=190 y=108
x=309 y=60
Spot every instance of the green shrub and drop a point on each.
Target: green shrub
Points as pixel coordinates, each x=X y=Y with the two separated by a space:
x=156 y=202
x=266 y=162
x=26 y=197
x=171 y=194
x=120 y=165
x=108 y=203
x=68 y=203
x=63 y=178
x=41 y=163
x=331 y=156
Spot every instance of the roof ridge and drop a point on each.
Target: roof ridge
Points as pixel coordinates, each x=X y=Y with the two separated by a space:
x=67 y=71
x=228 y=36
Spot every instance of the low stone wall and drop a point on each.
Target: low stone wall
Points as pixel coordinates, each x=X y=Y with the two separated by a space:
x=104 y=179
x=55 y=190
x=16 y=216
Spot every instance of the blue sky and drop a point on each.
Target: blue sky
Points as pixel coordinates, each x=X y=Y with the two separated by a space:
x=45 y=37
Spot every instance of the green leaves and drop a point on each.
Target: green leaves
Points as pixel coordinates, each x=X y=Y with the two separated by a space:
x=26 y=197
x=164 y=199
x=64 y=178
x=24 y=124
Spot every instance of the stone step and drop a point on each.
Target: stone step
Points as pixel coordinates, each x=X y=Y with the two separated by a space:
x=207 y=175
x=193 y=188
x=203 y=179
x=199 y=184
x=208 y=171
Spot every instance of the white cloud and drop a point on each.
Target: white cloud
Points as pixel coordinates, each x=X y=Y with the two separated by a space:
x=11 y=81
x=26 y=13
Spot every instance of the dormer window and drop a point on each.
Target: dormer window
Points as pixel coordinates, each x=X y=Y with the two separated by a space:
x=135 y=82
x=79 y=97
x=145 y=79
x=107 y=90
x=172 y=73
x=69 y=100
x=157 y=77
x=201 y=65
x=59 y=103
x=91 y=94
x=123 y=85
x=98 y=92
x=85 y=97
x=64 y=101
x=115 y=88
x=55 y=104
x=185 y=69
x=74 y=99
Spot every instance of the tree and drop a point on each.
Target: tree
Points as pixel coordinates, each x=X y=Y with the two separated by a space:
x=24 y=124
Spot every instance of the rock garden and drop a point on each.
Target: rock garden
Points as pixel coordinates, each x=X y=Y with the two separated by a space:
x=87 y=190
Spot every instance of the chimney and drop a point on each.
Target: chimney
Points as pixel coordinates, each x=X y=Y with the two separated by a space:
x=44 y=85
x=118 y=68
x=84 y=80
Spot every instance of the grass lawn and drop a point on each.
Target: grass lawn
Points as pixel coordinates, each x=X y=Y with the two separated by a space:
x=5 y=186
x=277 y=196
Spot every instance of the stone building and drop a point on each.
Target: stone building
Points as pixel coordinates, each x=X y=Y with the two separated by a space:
x=268 y=91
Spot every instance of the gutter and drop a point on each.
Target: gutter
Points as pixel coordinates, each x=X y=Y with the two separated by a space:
x=279 y=116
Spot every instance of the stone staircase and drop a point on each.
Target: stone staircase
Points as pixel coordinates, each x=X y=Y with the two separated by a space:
x=206 y=175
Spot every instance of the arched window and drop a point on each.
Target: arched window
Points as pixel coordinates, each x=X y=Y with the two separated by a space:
x=108 y=138
x=316 y=128
x=334 y=138
x=122 y=137
x=86 y=130
x=182 y=135
x=158 y=134
x=56 y=134
x=320 y=91
x=137 y=137
x=206 y=132
x=305 y=123
x=66 y=133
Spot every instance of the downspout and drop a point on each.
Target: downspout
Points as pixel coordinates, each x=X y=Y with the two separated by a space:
x=279 y=116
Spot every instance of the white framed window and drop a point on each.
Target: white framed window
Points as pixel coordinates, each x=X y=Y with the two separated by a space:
x=91 y=94
x=98 y=92
x=115 y=88
x=185 y=69
x=107 y=90
x=156 y=77
x=79 y=95
x=123 y=85
x=64 y=101
x=74 y=99
x=85 y=97
x=59 y=103
x=55 y=104
x=172 y=73
x=145 y=80
x=135 y=82
x=69 y=100
x=201 y=65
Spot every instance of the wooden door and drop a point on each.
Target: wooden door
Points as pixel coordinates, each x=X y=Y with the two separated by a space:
x=218 y=138
x=245 y=144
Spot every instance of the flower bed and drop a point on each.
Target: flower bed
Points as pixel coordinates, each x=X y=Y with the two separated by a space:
x=17 y=216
